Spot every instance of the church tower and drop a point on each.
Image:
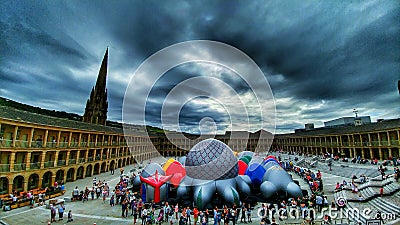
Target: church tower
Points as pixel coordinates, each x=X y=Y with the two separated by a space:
x=97 y=104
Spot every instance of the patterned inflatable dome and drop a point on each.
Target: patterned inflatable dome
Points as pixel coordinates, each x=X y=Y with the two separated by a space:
x=211 y=159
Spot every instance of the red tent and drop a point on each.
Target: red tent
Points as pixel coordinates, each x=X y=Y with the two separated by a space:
x=156 y=181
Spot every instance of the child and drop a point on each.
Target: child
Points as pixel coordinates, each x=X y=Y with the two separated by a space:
x=70 y=216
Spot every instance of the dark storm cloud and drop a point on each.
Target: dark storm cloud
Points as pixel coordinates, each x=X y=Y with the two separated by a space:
x=322 y=58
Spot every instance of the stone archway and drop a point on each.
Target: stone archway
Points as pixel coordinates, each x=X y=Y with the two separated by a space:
x=18 y=183
x=4 y=186
x=103 y=167
x=112 y=164
x=96 y=169
x=119 y=163
x=46 y=182
x=33 y=181
x=70 y=174
x=60 y=176
x=79 y=173
x=89 y=171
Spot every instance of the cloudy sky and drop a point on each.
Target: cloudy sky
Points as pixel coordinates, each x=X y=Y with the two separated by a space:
x=321 y=59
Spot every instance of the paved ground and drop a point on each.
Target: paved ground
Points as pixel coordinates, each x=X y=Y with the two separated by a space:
x=95 y=211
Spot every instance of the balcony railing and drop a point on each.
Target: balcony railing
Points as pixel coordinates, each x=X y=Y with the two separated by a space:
x=61 y=162
x=112 y=155
x=19 y=166
x=81 y=160
x=63 y=144
x=34 y=165
x=51 y=144
x=375 y=143
x=71 y=161
x=4 y=167
x=48 y=164
x=90 y=159
x=21 y=144
x=104 y=156
x=98 y=157
x=394 y=142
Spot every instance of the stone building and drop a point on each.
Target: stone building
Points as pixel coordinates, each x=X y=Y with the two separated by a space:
x=375 y=140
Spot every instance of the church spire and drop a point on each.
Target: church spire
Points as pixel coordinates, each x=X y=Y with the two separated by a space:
x=97 y=104
x=101 y=78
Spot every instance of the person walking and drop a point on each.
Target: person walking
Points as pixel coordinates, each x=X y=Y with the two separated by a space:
x=61 y=209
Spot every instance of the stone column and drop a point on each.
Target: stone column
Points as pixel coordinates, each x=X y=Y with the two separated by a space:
x=79 y=140
x=40 y=182
x=369 y=140
x=25 y=185
x=390 y=152
x=371 y=153
x=88 y=141
x=379 y=139
x=28 y=160
x=67 y=157
x=86 y=155
x=52 y=179
x=10 y=185
x=56 y=158
x=380 y=153
x=46 y=135
x=30 y=137
x=14 y=136
x=12 y=161
x=42 y=161
x=69 y=139
x=58 y=139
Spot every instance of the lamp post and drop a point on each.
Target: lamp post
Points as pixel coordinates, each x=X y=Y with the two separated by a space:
x=355 y=111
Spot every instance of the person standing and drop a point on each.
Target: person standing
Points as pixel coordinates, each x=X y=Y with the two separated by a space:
x=215 y=215
x=319 y=202
x=52 y=213
x=243 y=217
x=144 y=215
x=135 y=214
x=206 y=215
x=249 y=213
x=124 y=206
x=70 y=216
x=176 y=211
x=195 y=215
x=234 y=214
x=61 y=209
x=75 y=193
x=188 y=213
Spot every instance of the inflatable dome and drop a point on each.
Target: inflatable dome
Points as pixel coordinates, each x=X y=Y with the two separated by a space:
x=211 y=159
